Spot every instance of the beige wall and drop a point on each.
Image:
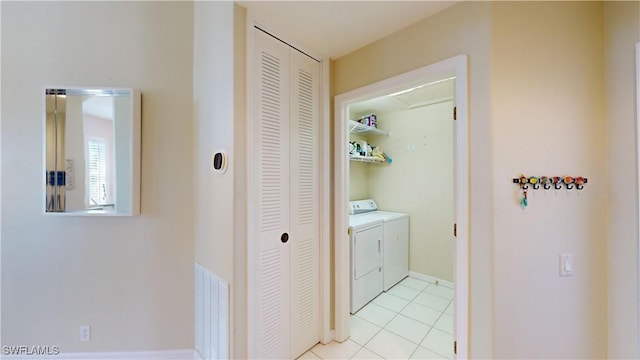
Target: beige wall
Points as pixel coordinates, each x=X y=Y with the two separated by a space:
x=130 y=278
x=462 y=29
x=239 y=295
x=359 y=172
x=548 y=118
x=358 y=180
x=420 y=183
x=621 y=32
x=219 y=98
x=213 y=132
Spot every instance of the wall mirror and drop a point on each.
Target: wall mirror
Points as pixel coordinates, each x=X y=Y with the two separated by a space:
x=92 y=151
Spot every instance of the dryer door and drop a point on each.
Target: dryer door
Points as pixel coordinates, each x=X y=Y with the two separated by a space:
x=367 y=255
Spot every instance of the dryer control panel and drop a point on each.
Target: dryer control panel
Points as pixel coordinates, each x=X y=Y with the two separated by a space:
x=362 y=206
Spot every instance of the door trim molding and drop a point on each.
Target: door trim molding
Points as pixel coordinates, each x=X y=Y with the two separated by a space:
x=458 y=67
x=638 y=163
x=326 y=334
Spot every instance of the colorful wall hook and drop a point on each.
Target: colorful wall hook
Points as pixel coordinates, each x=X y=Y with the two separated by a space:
x=569 y=182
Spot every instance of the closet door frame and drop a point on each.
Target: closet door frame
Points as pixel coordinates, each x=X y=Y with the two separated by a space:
x=637 y=80
x=326 y=335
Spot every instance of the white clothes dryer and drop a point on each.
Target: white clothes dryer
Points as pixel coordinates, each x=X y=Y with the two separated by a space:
x=365 y=239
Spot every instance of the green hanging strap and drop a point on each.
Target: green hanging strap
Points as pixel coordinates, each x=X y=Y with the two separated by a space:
x=524 y=187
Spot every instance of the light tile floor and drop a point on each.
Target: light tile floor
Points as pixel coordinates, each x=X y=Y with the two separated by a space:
x=413 y=320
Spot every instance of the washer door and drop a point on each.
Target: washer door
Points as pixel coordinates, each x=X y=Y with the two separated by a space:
x=396 y=251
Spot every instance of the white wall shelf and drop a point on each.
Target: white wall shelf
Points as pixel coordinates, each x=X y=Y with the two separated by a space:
x=357 y=127
x=367 y=159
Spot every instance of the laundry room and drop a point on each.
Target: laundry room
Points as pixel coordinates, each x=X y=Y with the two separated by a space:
x=401 y=156
x=401 y=205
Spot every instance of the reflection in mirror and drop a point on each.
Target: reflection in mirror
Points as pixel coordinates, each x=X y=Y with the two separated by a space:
x=91 y=159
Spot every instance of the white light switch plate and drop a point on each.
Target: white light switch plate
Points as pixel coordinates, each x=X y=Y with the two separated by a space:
x=566 y=264
x=85 y=333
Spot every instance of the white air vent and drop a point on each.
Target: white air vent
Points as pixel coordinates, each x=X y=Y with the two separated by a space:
x=212 y=315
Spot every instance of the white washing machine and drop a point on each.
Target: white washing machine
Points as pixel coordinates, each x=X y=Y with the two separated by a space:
x=395 y=250
x=395 y=241
x=366 y=235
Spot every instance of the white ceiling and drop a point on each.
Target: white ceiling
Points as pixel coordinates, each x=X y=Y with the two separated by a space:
x=427 y=94
x=336 y=28
x=98 y=106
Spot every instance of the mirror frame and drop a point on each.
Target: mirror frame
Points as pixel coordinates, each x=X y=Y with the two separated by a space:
x=134 y=143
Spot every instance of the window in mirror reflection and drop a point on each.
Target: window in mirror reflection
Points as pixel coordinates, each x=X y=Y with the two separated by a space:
x=82 y=162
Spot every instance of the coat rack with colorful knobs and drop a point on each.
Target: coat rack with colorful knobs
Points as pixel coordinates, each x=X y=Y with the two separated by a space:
x=547 y=182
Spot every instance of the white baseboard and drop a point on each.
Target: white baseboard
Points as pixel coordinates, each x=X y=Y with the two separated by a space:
x=186 y=354
x=430 y=279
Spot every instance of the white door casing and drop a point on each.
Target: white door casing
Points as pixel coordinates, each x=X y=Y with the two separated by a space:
x=638 y=161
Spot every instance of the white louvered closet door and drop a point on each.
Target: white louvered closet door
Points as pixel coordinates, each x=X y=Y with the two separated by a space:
x=305 y=205
x=269 y=175
x=284 y=296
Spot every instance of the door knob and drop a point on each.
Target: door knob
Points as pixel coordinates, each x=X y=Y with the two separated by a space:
x=284 y=238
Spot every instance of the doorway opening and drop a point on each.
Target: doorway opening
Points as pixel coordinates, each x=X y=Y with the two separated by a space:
x=447 y=83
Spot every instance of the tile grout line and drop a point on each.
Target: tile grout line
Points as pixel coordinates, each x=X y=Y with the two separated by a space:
x=431 y=327
x=442 y=312
x=398 y=313
x=400 y=336
x=387 y=323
